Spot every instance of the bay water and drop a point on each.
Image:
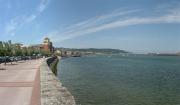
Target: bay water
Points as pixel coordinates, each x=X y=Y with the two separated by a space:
x=122 y=79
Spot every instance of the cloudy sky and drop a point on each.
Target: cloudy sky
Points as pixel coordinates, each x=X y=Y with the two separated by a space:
x=133 y=25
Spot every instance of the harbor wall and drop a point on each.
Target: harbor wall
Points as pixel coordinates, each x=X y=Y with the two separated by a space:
x=52 y=91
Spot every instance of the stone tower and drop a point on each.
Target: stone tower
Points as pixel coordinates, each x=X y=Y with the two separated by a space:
x=47 y=45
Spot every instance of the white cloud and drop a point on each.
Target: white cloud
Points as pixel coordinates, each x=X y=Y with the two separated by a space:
x=43 y=5
x=31 y=18
x=86 y=26
x=11 y=26
x=16 y=23
x=109 y=21
x=99 y=19
x=9 y=29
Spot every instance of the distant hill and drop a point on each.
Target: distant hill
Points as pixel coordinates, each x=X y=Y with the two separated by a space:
x=95 y=50
x=178 y=53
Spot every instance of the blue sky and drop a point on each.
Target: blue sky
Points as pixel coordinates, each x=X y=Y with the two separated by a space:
x=134 y=25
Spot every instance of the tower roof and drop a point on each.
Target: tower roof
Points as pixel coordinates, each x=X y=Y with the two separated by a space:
x=46 y=38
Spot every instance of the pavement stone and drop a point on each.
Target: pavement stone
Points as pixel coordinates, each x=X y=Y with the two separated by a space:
x=18 y=83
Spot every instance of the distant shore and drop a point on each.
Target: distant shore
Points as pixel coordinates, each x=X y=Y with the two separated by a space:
x=164 y=54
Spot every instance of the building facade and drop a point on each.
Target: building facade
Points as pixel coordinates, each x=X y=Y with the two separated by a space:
x=47 y=45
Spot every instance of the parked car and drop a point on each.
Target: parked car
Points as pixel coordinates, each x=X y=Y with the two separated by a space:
x=7 y=59
x=1 y=60
x=24 y=58
x=12 y=59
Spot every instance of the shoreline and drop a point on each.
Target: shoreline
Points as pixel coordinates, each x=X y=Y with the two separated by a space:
x=52 y=91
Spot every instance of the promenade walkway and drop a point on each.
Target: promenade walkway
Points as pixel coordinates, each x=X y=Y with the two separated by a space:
x=20 y=83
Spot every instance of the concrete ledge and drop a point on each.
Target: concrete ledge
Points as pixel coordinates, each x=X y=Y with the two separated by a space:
x=52 y=92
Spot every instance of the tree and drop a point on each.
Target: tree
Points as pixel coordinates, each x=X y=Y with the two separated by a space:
x=16 y=49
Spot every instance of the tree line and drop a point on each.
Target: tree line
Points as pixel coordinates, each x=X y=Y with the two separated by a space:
x=14 y=49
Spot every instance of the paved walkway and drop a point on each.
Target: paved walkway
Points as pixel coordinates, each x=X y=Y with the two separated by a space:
x=20 y=83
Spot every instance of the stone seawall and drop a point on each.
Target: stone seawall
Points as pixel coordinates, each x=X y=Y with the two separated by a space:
x=52 y=91
x=52 y=63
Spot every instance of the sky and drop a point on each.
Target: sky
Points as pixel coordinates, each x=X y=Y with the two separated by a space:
x=139 y=26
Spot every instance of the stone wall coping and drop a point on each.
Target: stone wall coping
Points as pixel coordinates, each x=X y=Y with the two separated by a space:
x=52 y=91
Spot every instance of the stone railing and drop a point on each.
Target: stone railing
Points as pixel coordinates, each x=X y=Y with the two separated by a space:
x=52 y=91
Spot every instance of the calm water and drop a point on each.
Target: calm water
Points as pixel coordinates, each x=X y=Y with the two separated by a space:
x=119 y=80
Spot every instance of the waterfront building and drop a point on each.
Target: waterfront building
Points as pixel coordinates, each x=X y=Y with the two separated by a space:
x=18 y=45
x=46 y=46
x=37 y=47
x=58 y=52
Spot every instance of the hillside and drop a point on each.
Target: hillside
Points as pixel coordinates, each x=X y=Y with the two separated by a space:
x=94 y=50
